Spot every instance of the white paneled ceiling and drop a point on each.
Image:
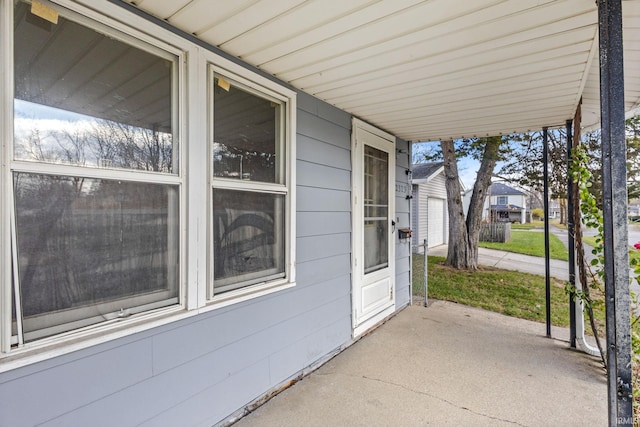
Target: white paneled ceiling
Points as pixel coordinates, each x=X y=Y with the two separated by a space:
x=423 y=69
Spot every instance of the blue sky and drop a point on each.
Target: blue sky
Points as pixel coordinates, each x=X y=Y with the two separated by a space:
x=467 y=167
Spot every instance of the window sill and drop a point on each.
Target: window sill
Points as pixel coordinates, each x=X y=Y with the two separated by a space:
x=246 y=294
x=49 y=348
x=59 y=345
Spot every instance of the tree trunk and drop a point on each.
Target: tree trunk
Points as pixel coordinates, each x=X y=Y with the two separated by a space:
x=457 y=253
x=464 y=234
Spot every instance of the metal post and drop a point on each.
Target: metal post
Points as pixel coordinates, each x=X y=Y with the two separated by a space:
x=614 y=191
x=547 y=266
x=425 y=280
x=571 y=238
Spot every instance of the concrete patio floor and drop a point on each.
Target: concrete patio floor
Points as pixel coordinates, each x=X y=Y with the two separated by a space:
x=447 y=364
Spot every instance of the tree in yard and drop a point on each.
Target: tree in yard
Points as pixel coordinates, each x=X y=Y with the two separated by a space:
x=525 y=167
x=464 y=232
x=537 y=213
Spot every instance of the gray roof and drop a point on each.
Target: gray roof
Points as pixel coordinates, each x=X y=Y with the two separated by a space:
x=425 y=170
x=506 y=208
x=500 y=189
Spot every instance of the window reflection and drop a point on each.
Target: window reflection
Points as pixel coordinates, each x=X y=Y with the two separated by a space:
x=87 y=99
x=376 y=209
x=245 y=135
x=248 y=233
x=87 y=242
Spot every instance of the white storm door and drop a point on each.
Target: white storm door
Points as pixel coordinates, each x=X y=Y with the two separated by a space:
x=373 y=154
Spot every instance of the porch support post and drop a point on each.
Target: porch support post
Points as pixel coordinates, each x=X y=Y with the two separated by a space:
x=571 y=238
x=547 y=266
x=614 y=183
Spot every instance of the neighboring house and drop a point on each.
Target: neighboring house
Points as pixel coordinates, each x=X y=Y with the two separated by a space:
x=554 y=209
x=200 y=204
x=430 y=219
x=504 y=204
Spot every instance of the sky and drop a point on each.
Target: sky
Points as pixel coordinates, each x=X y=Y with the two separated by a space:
x=467 y=167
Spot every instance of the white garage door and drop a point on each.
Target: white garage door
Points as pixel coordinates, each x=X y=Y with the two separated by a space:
x=435 y=222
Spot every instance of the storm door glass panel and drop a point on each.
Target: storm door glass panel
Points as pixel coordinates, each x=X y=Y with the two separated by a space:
x=248 y=238
x=85 y=98
x=246 y=134
x=91 y=250
x=376 y=209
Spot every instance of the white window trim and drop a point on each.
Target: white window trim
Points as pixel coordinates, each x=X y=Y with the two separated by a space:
x=130 y=36
x=267 y=89
x=192 y=137
x=6 y=109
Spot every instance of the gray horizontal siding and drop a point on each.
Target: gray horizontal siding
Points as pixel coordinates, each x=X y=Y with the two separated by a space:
x=403 y=154
x=197 y=371
x=322 y=176
x=319 y=223
x=317 y=128
x=323 y=200
x=314 y=106
x=313 y=151
x=175 y=393
x=403 y=218
x=403 y=293
x=318 y=247
x=68 y=386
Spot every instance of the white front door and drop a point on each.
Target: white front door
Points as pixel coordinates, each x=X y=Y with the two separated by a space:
x=373 y=260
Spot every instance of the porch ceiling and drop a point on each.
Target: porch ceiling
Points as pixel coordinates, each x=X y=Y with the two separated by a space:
x=423 y=69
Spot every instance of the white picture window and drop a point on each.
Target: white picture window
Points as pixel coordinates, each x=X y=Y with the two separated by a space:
x=102 y=216
x=502 y=200
x=250 y=193
x=96 y=188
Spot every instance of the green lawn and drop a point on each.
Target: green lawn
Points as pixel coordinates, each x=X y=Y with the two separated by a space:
x=508 y=292
x=558 y=224
x=527 y=225
x=633 y=252
x=530 y=243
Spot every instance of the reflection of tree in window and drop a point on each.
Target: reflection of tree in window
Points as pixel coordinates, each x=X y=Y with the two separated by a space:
x=112 y=101
x=248 y=218
x=104 y=144
x=248 y=236
x=84 y=241
x=245 y=135
x=88 y=244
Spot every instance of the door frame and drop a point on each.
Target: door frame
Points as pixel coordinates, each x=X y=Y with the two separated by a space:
x=360 y=326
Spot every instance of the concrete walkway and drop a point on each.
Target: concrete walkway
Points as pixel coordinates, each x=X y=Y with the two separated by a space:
x=447 y=365
x=512 y=261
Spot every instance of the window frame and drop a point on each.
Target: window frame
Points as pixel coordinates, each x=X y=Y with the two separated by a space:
x=191 y=130
x=285 y=185
x=11 y=343
x=504 y=198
